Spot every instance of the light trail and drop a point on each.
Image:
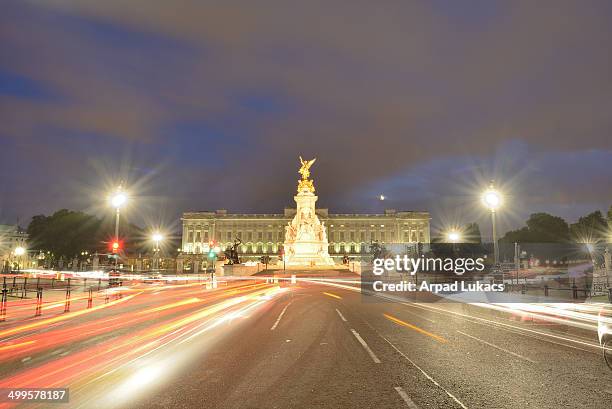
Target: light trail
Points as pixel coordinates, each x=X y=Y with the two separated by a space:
x=120 y=350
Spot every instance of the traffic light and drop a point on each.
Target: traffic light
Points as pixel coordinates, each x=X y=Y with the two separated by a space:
x=115 y=246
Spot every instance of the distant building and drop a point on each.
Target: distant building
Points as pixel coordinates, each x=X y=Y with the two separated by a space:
x=11 y=238
x=264 y=234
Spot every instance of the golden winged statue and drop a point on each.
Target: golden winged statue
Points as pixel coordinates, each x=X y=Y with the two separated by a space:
x=305 y=169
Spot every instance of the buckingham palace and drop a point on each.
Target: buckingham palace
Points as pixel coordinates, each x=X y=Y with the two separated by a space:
x=264 y=234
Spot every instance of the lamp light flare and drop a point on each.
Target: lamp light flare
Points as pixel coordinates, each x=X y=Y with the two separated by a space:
x=19 y=251
x=158 y=237
x=118 y=199
x=382 y=197
x=454 y=236
x=491 y=199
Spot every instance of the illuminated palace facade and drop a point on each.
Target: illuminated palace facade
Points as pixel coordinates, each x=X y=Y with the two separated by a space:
x=264 y=234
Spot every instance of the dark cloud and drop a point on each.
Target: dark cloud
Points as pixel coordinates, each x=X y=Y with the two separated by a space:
x=221 y=97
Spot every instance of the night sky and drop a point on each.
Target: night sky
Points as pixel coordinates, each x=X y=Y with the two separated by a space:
x=206 y=105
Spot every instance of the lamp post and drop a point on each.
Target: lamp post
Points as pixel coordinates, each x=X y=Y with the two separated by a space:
x=157 y=238
x=117 y=200
x=454 y=237
x=19 y=252
x=492 y=199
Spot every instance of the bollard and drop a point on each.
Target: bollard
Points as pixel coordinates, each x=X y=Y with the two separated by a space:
x=14 y=287
x=24 y=290
x=574 y=292
x=99 y=283
x=67 y=303
x=85 y=283
x=3 y=304
x=39 y=292
x=90 y=299
x=52 y=282
x=106 y=296
x=610 y=295
x=546 y=290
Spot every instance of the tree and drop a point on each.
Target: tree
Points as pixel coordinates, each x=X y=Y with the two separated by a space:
x=541 y=228
x=546 y=228
x=591 y=228
x=610 y=218
x=67 y=233
x=471 y=233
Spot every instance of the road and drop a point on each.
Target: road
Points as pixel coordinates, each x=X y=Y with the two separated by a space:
x=252 y=344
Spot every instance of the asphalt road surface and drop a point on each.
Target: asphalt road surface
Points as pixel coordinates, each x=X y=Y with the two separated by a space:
x=252 y=344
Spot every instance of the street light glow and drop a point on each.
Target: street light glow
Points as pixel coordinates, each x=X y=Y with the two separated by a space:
x=492 y=199
x=157 y=237
x=118 y=199
x=19 y=251
x=454 y=236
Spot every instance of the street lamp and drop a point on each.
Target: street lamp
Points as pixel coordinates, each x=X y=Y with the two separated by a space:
x=492 y=199
x=453 y=236
x=19 y=251
x=157 y=238
x=117 y=200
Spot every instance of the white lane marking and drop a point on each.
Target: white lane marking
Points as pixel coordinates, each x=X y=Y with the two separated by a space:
x=497 y=347
x=405 y=397
x=280 y=316
x=340 y=314
x=366 y=347
x=453 y=397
